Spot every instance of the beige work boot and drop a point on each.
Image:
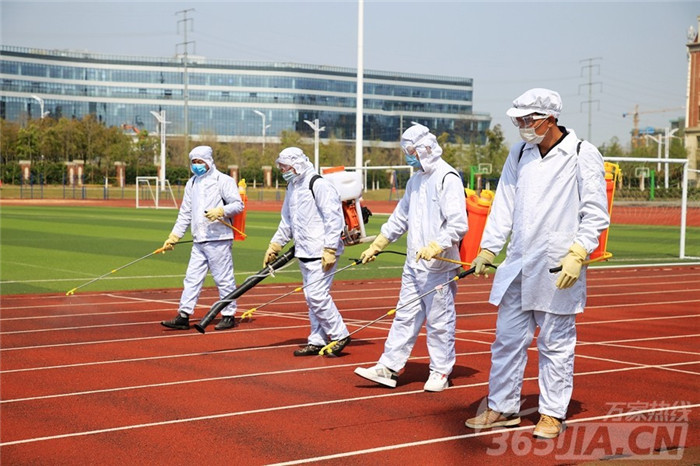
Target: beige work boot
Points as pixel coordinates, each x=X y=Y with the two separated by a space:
x=491 y=418
x=548 y=427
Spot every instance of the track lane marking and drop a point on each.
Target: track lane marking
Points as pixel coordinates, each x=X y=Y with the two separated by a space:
x=288 y=407
x=470 y=435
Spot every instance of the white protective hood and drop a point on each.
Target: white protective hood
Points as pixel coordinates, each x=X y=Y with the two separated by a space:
x=203 y=153
x=294 y=157
x=425 y=143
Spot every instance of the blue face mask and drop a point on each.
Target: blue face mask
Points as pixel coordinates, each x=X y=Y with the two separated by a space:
x=199 y=169
x=413 y=161
x=289 y=175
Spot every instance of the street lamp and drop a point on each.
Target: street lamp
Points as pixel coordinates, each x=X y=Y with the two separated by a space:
x=667 y=137
x=366 y=163
x=41 y=105
x=317 y=129
x=160 y=117
x=264 y=127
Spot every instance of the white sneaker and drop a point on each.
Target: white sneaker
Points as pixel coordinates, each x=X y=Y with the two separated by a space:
x=380 y=374
x=437 y=382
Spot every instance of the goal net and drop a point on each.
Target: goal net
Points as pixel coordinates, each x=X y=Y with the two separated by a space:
x=151 y=193
x=655 y=214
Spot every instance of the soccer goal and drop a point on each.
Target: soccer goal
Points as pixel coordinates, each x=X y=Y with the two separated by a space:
x=655 y=216
x=150 y=193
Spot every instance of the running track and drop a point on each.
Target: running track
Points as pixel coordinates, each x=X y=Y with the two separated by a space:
x=94 y=379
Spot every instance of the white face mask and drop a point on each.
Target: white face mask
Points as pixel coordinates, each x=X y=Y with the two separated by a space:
x=529 y=135
x=289 y=175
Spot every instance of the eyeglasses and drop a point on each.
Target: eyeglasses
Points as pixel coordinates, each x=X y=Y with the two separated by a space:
x=528 y=120
x=283 y=168
x=411 y=150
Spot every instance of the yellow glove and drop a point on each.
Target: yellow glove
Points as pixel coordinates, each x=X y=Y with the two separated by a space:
x=328 y=259
x=379 y=243
x=429 y=251
x=213 y=214
x=571 y=266
x=170 y=242
x=483 y=259
x=271 y=254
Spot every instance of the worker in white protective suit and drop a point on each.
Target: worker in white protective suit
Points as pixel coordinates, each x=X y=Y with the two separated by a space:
x=211 y=198
x=433 y=213
x=551 y=204
x=312 y=215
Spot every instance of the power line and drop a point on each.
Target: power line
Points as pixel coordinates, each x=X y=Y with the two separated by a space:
x=590 y=66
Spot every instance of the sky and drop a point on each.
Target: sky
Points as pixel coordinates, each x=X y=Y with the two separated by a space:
x=604 y=58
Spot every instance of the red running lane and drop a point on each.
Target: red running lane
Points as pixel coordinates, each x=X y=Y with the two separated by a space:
x=115 y=393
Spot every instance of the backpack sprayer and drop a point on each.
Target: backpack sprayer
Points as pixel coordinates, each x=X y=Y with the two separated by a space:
x=349 y=186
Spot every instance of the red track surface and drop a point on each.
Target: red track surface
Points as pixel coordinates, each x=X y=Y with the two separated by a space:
x=94 y=379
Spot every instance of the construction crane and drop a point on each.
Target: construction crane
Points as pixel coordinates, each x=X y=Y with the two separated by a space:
x=636 y=136
x=126 y=126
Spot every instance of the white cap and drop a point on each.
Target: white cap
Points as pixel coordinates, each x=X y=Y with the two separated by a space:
x=538 y=100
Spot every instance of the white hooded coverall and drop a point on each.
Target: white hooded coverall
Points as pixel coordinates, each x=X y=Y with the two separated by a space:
x=211 y=248
x=315 y=221
x=432 y=209
x=544 y=204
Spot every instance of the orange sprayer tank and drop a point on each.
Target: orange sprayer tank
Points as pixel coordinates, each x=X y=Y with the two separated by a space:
x=612 y=171
x=478 y=208
x=239 y=219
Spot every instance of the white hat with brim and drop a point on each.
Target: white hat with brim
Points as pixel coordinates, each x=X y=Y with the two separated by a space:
x=538 y=100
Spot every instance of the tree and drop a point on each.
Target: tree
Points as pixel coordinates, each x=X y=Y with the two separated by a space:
x=9 y=134
x=28 y=142
x=449 y=152
x=612 y=150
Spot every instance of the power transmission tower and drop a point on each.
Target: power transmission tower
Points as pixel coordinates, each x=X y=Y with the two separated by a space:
x=185 y=44
x=590 y=66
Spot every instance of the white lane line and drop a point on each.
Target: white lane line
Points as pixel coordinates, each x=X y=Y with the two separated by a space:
x=289 y=407
x=482 y=433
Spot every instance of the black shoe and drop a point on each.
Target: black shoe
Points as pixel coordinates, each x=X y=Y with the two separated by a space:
x=225 y=323
x=338 y=347
x=308 y=350
x=180 y=322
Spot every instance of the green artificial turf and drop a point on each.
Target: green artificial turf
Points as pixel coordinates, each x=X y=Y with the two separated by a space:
x=55 y=249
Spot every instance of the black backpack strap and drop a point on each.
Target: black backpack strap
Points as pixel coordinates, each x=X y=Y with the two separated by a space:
x=450 y=173
x=522 y=149
x=311 y=184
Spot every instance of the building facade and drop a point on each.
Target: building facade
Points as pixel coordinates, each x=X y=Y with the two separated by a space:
x=233 y=100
